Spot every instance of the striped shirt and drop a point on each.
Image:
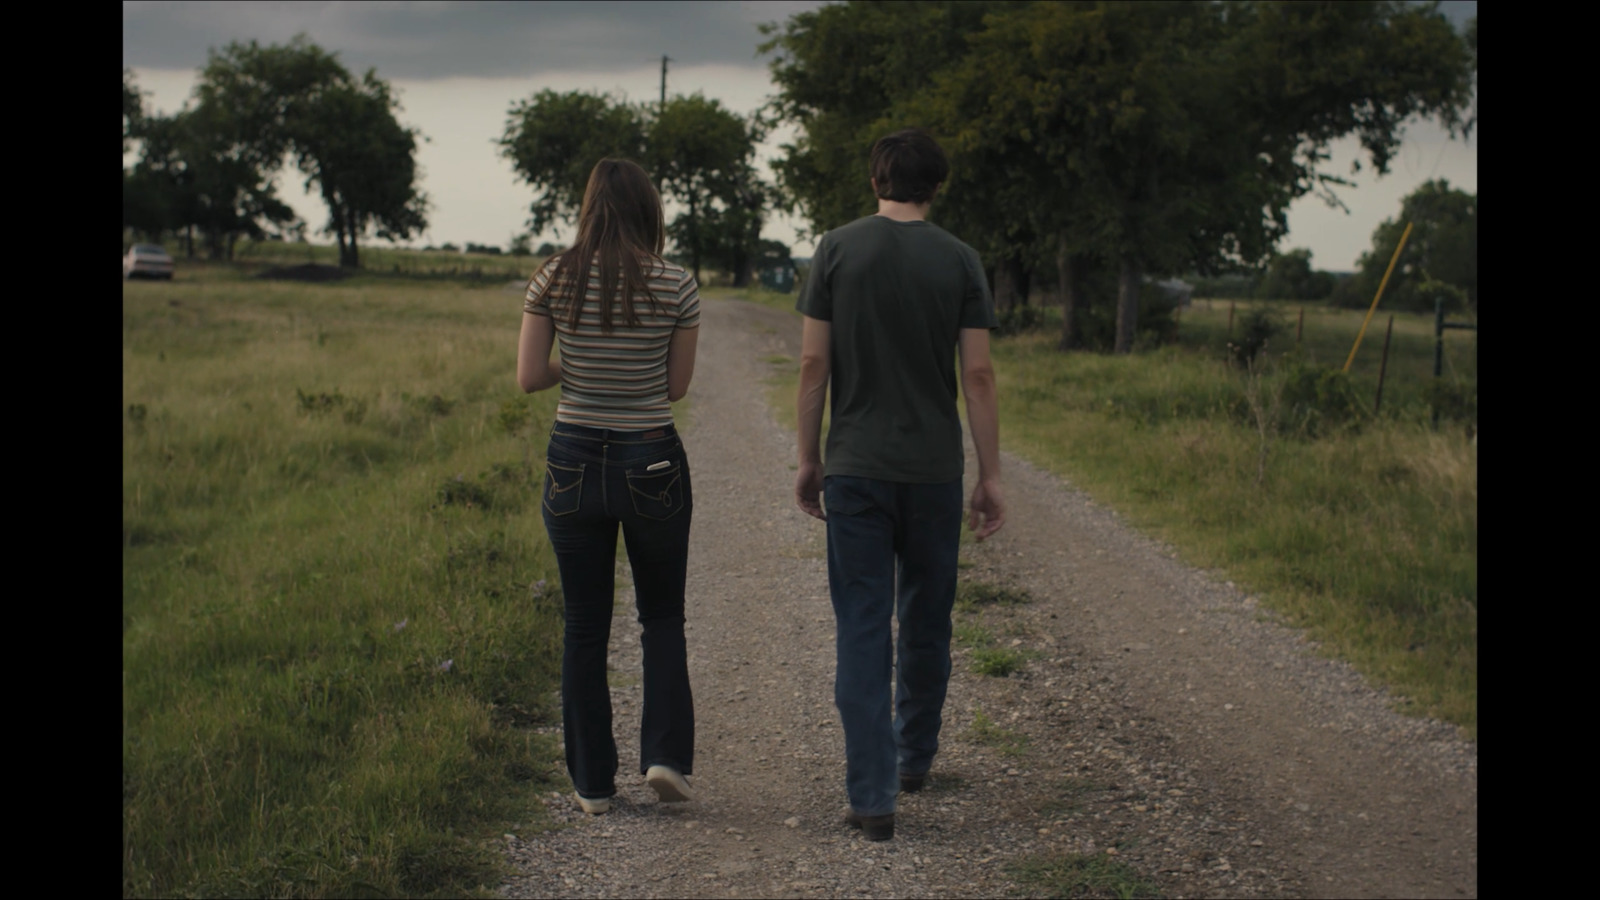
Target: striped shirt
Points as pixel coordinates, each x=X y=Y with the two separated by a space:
x=619 y=380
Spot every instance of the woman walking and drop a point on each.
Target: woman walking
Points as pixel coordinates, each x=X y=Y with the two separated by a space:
x=627 y=321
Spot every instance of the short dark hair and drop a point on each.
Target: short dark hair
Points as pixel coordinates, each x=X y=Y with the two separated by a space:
x=908 y=165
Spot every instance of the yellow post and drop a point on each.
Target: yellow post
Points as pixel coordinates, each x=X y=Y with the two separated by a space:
x=1381 y=285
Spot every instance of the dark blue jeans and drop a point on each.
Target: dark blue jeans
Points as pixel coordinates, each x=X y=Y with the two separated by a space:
x=892 y=547
x=597 y=480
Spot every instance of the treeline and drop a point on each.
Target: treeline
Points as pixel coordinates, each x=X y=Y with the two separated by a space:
x=211 y=169
x=1440 y=262
x=1101 y=145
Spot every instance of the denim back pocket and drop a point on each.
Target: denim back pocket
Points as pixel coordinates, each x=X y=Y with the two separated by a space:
x=563 y=488
x=658 y=494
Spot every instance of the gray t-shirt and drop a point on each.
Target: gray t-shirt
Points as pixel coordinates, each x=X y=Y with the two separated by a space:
x=897 y=295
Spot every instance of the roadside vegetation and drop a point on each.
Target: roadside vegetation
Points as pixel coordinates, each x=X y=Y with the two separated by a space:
x=1255 y=456
x=341 y=629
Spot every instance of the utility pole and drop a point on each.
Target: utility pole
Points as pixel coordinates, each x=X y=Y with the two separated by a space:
x=663 y=81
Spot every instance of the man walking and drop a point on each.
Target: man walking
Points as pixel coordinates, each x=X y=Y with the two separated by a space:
x=889 y=301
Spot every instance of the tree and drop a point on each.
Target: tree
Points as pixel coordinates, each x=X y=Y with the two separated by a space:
x=727 y=230
x=349 y=143
x=702 y=156
x=1289 y=276
x=1155 y=137
x=255 y=97
x=554 y=141
x=1442 y=249
x=840 y=70
x=699 y=154
x=261 y=103
x=132 y=108
x=189 y=177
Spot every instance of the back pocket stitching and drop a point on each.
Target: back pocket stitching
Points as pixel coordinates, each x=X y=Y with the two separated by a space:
x=555 y=489
x=664 y=497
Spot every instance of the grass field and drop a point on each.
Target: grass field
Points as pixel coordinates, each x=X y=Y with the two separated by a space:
x=341 y=620
x=340 y=615
x=1359 y=527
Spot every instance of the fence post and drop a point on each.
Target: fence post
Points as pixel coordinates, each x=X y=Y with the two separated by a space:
x=1438 y=336
x=1438 y=354
x=1301 y=326
x=1383 y=366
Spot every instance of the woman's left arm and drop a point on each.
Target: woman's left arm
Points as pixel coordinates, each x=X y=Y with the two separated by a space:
x=535 y=369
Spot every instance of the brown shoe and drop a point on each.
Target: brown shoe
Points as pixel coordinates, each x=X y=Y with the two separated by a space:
x=876 y=828
x=910 y=784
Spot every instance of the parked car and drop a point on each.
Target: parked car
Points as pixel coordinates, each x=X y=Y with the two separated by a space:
x=147 y=261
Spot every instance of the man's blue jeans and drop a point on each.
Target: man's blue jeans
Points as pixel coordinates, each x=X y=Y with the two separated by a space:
x=596 y=481
x=892 y=546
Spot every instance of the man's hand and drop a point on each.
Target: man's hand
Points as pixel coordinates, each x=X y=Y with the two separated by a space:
x=988 y=509
x=808 y=489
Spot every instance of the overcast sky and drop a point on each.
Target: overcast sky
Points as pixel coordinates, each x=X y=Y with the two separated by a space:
x=459 y=67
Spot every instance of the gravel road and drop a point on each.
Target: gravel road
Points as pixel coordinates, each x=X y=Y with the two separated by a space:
x=1161 y=719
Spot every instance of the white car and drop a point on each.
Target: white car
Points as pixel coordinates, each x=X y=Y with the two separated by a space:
x=147 y=261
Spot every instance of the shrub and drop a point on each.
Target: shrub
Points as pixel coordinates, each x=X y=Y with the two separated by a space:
x=1453 y=400
x=1020 y=319
x=1319 y=399
x=1257 y=328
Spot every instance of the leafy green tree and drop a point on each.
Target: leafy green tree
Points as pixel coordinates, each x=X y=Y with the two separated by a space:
x=132 y=108
x=839 y=71
x=1156 y=137
x=256 y=97
x=188 y=178
x=1289 y=276
x=349 y=143
x=522 y=244
x=553 y=141
x=1442 y=250
x=702 y=155
x=261 y=103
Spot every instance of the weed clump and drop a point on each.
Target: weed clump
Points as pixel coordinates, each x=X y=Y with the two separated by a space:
x=985 y=731
x=997 y=662
x=1082 y=875
x=971 y=595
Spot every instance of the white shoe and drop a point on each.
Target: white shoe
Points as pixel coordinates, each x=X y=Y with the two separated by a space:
x=594 y=807
x=668 y=784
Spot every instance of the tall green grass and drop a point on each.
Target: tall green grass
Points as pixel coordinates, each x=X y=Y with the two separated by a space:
x=339 y=609
x=1363 y=530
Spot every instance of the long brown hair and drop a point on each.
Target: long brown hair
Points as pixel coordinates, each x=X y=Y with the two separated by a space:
x=620 y=225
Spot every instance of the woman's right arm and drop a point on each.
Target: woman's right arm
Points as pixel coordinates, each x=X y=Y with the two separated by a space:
x=680 y=361
x=535 y=369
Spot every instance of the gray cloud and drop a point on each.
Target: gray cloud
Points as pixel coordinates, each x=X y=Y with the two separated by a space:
x=427 y=40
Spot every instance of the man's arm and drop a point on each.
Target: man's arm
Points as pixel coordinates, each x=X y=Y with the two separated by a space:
x=815 y=368
x=983 y=417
